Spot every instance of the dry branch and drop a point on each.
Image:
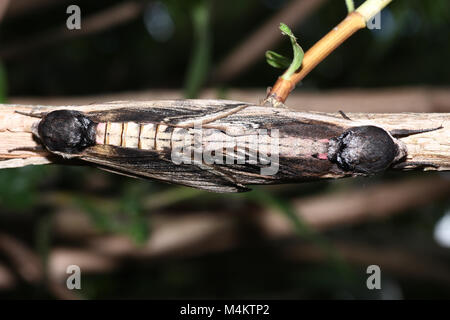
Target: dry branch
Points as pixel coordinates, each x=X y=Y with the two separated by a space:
x=432 y=147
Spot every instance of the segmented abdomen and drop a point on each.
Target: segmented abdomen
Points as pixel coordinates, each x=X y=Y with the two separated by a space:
x=145 y=136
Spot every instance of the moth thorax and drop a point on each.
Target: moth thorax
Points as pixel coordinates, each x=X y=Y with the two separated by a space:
x=364 y=149
x=66 y=131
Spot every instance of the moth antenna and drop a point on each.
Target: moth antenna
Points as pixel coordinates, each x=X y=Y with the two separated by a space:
x=402 y=133
x=32 y=149
x=344 y=115
x=34 y=115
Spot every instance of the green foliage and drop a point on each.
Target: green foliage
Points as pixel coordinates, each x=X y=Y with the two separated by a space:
x=172 y=196
x=19 y=188
x=279 y=61
x=302 y=229
x=201 y=56
x=123 y=216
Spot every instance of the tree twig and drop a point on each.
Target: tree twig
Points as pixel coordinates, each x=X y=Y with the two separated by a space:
x=354 y=21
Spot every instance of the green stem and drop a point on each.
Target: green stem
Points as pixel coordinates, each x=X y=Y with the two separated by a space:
x=201 y=55
x=350 y=5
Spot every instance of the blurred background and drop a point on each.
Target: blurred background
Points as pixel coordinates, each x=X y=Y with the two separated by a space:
x=144 y=239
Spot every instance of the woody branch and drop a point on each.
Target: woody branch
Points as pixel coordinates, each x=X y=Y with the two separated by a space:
x=354 y=21
x=431 y=147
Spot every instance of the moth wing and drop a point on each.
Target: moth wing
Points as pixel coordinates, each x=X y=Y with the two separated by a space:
x=167 y=112
x=149 y=164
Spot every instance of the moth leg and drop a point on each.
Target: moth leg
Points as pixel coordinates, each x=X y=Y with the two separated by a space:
x=415 y=164
x=344 y=115
x=212 y=118
x=31 y=149
x=402 y=133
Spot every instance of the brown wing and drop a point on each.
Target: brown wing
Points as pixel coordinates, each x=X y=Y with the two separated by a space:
x=150 y=164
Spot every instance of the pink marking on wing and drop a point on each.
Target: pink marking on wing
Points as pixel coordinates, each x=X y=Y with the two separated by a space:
x=322 y=156
x=324 y=140
x=100 y=135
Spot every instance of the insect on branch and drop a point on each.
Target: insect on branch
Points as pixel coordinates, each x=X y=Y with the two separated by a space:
x=222 y=145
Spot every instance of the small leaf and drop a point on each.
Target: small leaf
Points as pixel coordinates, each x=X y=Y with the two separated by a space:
x=286 y=31
x=298 y=52
x=277 y=60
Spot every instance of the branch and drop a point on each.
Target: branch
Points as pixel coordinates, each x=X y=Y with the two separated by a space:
x=354 y=21
x=296 y=145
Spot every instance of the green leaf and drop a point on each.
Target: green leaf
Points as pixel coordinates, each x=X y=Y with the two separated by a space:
x=298 y=52
x=277 y=60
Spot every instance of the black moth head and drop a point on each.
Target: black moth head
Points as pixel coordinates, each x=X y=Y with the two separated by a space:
x=66 y=131
x=364 y=149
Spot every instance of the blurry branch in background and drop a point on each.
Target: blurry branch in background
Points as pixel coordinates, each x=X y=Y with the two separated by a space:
x=7 y=278
x=29 y=266
x=392 y=258
x=347 y=208
x=111 y=17
x=267 y=36
x=20 y=7
x=354 y=21
x=26 y=263
x=197 y=233
x=3 y=8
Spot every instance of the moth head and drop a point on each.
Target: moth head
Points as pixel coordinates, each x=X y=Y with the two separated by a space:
x=365 y=149
x=65 y=132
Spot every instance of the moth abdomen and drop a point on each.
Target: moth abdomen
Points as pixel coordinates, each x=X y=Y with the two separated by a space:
x=135 y=135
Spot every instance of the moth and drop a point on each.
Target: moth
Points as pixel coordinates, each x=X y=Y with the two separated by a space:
x=241 y=142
